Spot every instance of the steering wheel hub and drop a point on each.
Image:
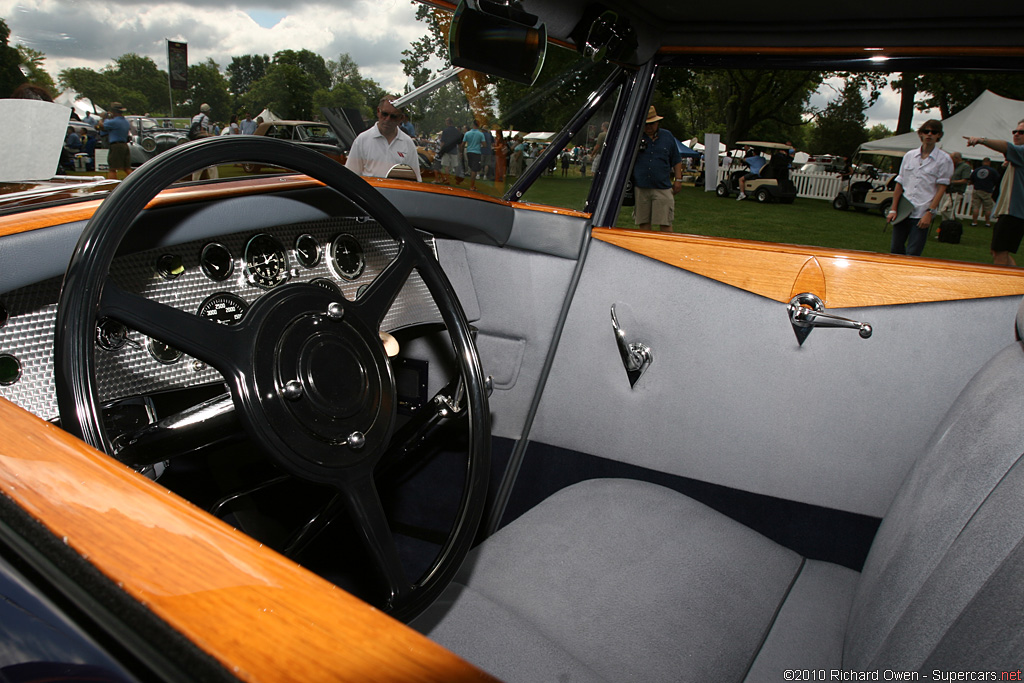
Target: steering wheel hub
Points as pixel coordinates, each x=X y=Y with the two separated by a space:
x=317 y=379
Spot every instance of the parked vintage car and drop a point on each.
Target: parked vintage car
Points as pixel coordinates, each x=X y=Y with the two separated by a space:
x=314 y=135
x=251 y=426
x=151 y=137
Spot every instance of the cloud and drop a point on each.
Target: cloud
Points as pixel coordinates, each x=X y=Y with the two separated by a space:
x=93 y=34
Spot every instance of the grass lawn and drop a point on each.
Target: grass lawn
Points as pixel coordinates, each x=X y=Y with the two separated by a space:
x=806 y=221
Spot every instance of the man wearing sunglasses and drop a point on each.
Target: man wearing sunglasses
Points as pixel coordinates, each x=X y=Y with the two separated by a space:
x=383 y=145
x=1009 y=227
x=924 y=175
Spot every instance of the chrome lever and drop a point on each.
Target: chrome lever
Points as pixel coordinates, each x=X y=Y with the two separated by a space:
x=806 y=311
x=636 y=356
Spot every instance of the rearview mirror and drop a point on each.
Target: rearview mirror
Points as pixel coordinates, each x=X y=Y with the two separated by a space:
x=503 y=46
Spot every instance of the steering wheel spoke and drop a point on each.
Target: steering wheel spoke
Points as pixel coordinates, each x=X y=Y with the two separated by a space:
x=364 y=505
x=376 y=301
x=209 y=342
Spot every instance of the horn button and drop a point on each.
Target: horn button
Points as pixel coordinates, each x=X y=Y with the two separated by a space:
x=324 y=387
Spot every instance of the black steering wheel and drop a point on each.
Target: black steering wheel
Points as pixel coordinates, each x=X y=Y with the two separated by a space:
x=309 y=379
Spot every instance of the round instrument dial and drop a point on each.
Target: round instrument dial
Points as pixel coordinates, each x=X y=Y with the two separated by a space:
x=163 y=352
x=223 y=308
x=347 y=255
x=216 y=261
x=266 y=263
x=307 y=250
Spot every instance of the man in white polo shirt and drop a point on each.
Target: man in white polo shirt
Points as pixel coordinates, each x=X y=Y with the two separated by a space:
x=383 y=145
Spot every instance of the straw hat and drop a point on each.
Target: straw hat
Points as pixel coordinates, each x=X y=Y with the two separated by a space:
x=652 y=115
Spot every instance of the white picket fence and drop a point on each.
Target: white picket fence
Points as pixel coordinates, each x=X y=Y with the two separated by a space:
x=826 y=186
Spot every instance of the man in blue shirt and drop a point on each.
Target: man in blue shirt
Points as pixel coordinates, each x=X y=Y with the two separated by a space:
x=657 y=176
x=755 y=162
x=985 y=180
x=474 y=141
x=117 y=129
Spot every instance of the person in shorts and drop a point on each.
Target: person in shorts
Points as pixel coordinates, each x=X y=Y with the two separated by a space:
x=1009 y=227
x=657 y=176
x=984 y=180
x=117 y=130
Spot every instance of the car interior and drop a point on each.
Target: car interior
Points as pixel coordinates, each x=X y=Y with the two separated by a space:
x=512 y=427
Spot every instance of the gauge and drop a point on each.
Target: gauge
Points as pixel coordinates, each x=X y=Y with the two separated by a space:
x=347 y=255
x=216 y=261
x=223 y=308
x=266 y=264
x=330 y=285
x=111 y=334
x=170 y=266
x=307 y=250
x=164 y=353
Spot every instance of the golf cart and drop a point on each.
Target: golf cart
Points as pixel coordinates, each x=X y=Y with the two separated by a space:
x=865 y=195
x=773 y=181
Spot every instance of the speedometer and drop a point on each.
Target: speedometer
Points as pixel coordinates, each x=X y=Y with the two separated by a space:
x=266 y=263
x=223 y=308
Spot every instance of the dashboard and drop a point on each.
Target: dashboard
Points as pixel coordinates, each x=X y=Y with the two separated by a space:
x=217 y=279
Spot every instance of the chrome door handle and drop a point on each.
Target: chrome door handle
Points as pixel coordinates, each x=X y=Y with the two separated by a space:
x=636 y=356
x=807 y=311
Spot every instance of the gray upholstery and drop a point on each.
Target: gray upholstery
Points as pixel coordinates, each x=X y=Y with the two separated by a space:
x=619 y=580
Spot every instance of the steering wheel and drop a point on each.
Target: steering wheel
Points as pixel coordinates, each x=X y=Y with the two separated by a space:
x=310 y=382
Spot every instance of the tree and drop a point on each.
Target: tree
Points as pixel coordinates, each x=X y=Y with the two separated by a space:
x=245 y=71
x=287 y=90
x=141 y=85
x=738 y=104
x=32 y=66
x=906 y=84
x=840 y=128
x=207 y=85
x=10 y=75
x=91 y=84
x=349 y=88
x=310 y=63
x=879 y=132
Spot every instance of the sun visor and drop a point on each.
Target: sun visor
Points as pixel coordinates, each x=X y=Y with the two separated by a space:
x=34 y=153
x=505 y=46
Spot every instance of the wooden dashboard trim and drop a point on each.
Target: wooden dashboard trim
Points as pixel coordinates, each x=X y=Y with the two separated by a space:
x=259 y=614
x=46 y=217
x=842 y=279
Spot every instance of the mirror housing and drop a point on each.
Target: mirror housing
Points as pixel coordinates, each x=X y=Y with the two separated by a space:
x=499 y=39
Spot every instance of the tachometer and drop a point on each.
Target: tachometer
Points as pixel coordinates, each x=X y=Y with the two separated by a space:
x=223 y=308
x=266 y=263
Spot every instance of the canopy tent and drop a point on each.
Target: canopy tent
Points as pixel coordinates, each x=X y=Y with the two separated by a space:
x=80 y=105
x=988 y=116
x=696 y=145
x=686 y=151
x=268 y=116
x=539 y=137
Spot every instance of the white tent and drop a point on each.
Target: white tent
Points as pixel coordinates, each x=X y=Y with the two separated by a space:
x=697 y=146
x=989 y=116
x=81 y=105
x=539 y=137
x=268 y=116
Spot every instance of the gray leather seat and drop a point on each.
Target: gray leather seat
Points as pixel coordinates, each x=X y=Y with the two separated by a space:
x=615 y=580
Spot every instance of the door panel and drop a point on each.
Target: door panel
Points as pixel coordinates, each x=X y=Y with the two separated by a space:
x=733 y=399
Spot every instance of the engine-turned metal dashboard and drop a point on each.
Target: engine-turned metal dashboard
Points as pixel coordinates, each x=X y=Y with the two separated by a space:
x=217 y=279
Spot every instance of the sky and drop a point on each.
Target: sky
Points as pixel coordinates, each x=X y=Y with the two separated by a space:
x=92 y=33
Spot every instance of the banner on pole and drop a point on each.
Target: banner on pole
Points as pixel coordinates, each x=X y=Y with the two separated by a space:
x=177 y=64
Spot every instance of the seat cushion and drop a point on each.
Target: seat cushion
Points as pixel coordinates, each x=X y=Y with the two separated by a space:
x=628 y=581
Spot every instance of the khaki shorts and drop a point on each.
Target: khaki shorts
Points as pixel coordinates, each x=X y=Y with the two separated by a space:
x=654 y=207
x=983 y=200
